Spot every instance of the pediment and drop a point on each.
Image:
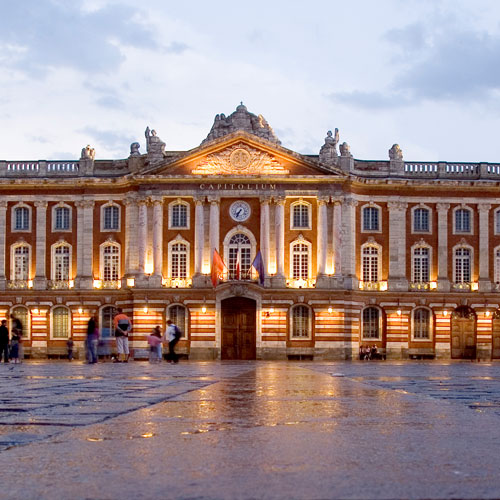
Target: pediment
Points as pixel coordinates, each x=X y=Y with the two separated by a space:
x=240 y=154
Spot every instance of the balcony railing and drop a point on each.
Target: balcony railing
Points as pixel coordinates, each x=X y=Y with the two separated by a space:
x=420 y=285
x=379 y=286
x=113 y=285
x=59 y=284
x=19 y=284
x=462 y=287
x=300 y=283
x=177 y=282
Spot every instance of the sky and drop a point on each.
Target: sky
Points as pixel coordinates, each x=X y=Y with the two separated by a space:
x=421 y=73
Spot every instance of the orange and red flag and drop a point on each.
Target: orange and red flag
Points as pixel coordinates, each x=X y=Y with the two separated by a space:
x=218 y=268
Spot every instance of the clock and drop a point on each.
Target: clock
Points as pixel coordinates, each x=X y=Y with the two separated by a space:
x=240 y=211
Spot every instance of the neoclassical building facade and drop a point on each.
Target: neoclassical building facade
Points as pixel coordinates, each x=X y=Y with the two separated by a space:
x=401 y=255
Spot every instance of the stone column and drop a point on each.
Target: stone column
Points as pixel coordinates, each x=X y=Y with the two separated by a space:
x=322 y=244
x=199 y=240
x=337 y=237
x=349 y=243
x=484 y=257
x=443 y=282
x=214 y=227
x=264 y=233
x=143 y=235
x=40 y=281
x=279 y=279
x=131 y=240
x=397 y=246
x=156 y=280
x=3 y=218
x=84 y=243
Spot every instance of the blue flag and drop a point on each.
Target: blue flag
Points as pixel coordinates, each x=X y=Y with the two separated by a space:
x=258 y=265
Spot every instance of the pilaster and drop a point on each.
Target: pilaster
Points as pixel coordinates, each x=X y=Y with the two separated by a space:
x=484 y=258
x=279 y=280
x=264 y=235
x=349 y=243
x=397 y=246
x=40 y=281
x=156 y=278
x=443 y=282
x=322 y=280
x=199 y=279
x=3 y=218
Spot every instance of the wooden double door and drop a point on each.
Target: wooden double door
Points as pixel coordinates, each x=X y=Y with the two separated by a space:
x=238 y=318
x=463 y=338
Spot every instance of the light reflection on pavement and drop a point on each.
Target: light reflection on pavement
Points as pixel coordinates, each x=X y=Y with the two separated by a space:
x=251 y=430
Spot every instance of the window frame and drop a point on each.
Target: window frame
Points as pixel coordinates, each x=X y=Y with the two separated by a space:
x=103 y=211
x=471 y=250
x=27 y=326
x=101 y=322
x=309 y=215
x=380 y=325
x=54 y=218
x=300 y=241
x=101 y=259
x=496 y=221
x=471 y=219
x=14 y=218
x=309 y=322
x=171 y=243
x=371 y=244
x=430 y=325
x=253 y=243
x=430 y=213
x=371 y=206
x=52 y=326
x=185 y=331
x=416 y=246
x=13 y=248
x=53 y=249
x=171 y=206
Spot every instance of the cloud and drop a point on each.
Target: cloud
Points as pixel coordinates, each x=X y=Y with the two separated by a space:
x=43 y=34
x=110 y=139
x=176 y=48
x=372 y=100
x=110 y=101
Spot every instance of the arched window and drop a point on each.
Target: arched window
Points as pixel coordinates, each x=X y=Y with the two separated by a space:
x=110 y=217
x=300 y=260
x=421 y=264
x=240 y=251
x=21 y=218
x=463 y=265
x=61 y=262
x=178 y=315
x=21 y=313
x=62 y=220
x=110 y=262
x=179 y=215
x=60 y=323
x=301 y=215
x=421 y=220
x=179 y=260
x=371 y=218
x=301 y=322
x=21 y=262
x=370 y=263
x=371 y=323
x=106 y=323
x=463 y=220
x=421 y=324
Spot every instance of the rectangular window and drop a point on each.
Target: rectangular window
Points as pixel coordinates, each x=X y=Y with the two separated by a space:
x=300 y=216
x=370 y=219
x=497 y=267
x=371 y=323
x=462 y=265
x=111 y=264
x=22 y=222
x=421 y=324
x=300 y=261
x=370 y=264
x=179 y=216
x=462 y=221
x=111 y=218
x=61 y=263
x=300 y=322
x=179 y=261
x=62 y=219
x=21 y=263
x=421 y=265
x=421 y=220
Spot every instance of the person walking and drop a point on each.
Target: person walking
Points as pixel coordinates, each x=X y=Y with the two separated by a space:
x=4 y=341
x=69 y=346
x=17 y=337
x=122 y=325
x=172 y=336
x=92 y=340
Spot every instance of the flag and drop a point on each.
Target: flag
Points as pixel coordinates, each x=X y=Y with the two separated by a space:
x=238 y=264
x=218 y=267
x=258 y=265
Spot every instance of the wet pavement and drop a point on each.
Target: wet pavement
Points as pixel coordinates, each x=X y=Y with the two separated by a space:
x=210 y=430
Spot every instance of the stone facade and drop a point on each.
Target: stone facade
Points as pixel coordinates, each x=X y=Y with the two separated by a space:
x=401 y=255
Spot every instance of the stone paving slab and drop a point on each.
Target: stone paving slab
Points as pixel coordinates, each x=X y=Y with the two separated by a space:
x=266 y=430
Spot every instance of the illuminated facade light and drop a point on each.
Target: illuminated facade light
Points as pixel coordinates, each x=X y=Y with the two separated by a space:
x=97 y=283
x=130 y=282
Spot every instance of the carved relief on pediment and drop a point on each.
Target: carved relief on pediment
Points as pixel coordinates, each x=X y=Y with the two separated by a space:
x=240 y=159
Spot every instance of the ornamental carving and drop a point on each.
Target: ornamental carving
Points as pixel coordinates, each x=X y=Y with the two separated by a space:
x=239 y=159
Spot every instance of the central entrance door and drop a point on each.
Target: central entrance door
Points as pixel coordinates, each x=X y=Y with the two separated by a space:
x=463 y=333
x=238 y=328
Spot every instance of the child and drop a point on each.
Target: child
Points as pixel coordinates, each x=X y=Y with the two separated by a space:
x=154 y=341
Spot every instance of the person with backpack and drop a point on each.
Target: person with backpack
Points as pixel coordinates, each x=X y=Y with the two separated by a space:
x=172 y=336
x=122 y=326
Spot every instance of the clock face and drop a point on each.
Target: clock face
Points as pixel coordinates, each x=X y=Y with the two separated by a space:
x=240 y=211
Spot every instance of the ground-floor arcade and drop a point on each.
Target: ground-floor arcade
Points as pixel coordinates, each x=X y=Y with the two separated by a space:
x=245 y=321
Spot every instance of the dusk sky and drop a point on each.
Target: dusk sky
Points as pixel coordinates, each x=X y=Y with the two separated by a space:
x=421 y=73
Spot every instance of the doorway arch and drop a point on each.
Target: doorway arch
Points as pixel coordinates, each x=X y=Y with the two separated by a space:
x=239 y=333
x=463 y=333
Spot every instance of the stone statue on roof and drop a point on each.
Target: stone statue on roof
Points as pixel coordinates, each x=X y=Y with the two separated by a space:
x=328 y=152
x=88 y=153
x=241 y=119
x=396 y=153
x=155 y=147
x=345 y=150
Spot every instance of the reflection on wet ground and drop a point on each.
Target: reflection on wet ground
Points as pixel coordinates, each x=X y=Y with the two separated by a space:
x=252 y=430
